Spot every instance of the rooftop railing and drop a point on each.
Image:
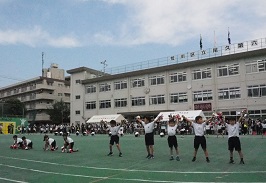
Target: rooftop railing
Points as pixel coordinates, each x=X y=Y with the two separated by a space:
x=218 y=51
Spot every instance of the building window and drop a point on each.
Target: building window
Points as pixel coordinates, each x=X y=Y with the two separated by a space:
x=23 y=98
x=91 y=89
x=105 y=104
x=91 y=105
x=257 y=91
x=122 y=102
x=104 y=87
x=202 y=95
x=156 y=80
x=8 y=93
x=32 y=96
x=77 y=112
x=178 y=77
x=16 y=91
x=140 y=82
x=157 y=99
x=78 y=81
x=201 y=74
x=60 y=94
x=32 y=86
x=23 y=89
x=178 y=98
x=77 y=96
x=138 y=101
x=60 y=85
x=229 y=93
x=228 y=70
x=256 y=66
x=119 y=85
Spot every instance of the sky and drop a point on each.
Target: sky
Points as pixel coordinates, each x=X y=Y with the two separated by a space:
x=77 y=33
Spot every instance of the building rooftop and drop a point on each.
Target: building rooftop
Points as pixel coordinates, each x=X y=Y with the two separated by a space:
x=230 y=51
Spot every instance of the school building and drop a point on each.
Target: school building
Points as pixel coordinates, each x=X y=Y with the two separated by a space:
x=227 y=78
x=39 y=93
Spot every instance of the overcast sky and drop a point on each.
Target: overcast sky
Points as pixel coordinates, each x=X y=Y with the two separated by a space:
x=75 y=33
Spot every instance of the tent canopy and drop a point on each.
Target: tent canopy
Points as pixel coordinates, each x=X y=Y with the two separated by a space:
x=189 y=114
x=98 y=118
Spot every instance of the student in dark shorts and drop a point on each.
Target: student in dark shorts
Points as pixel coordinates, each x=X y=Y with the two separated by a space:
x=199 y=139
x=114 y=138
x=172 y=140
x=233 y=139
x=149 y=134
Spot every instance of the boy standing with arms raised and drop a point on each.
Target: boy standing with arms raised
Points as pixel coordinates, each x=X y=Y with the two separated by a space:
x=233 y=139
x=149 y=134
x=114 y=130
x=172 y=141
x=199 y=139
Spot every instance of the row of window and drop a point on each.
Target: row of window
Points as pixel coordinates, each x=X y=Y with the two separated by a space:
x=205 y=95
x=25 y=88
x=225 y=70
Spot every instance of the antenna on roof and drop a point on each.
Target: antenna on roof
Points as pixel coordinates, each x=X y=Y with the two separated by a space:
x=104 y=65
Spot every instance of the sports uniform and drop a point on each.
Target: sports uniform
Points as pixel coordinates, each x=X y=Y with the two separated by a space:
x=233 y=141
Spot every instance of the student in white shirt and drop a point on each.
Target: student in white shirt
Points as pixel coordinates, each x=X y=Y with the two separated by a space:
x=18 y=142
x=149 y=134
x=27 y=143
x=114 y=131
x=220 y=130
x=263 y=128
x=49 y=142
x=199 y=139
x=233 y=139
x=208 y=129
x=172 y=141
x=68 y=144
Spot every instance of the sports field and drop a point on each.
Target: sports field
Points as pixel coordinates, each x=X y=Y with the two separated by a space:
x=91 y=164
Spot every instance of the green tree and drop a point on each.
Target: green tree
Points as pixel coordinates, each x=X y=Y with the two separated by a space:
x=59 y=112
x=13 y=108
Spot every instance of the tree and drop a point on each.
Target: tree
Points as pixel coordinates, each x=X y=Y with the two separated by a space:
x=13 y=108
x=59 y=112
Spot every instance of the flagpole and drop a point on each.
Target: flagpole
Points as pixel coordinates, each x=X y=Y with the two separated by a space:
x=200 y=42
x=229 y=39
x=42 y=63
x=214 y=40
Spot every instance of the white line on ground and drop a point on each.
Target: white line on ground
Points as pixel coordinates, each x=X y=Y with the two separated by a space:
x=133 y=170
x=11 y=180
x=104 y=178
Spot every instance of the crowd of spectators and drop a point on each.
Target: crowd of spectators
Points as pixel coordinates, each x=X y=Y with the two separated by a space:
x=252 y=127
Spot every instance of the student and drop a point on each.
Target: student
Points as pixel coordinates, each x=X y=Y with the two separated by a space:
x=49 y=142
x=199 y=139
x=233 y=139
x=263 y=128
x=172 y=141
x=18 y=142
x=149 y=134
x=220 y=130
x=114 y=138
x=27 y=143
x=208 y=129
x=68 y=144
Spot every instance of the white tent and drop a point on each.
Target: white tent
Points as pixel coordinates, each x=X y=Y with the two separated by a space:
x=98 y=118
x=188 y=114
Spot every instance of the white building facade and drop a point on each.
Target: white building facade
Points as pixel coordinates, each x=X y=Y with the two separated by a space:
x=227 y=83
x=39 y=93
